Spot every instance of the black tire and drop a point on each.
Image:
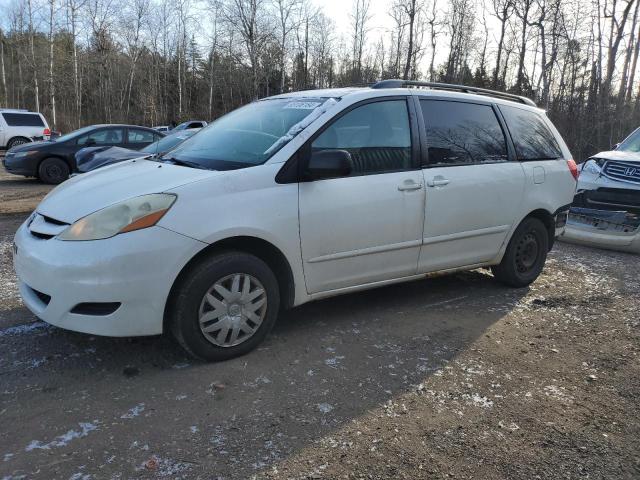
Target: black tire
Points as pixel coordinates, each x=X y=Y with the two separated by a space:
x=53 y=171
x=189 y=297
x=525 y=256
x=17 y=141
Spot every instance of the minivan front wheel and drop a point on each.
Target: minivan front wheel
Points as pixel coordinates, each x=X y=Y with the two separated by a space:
x=225 y=306
x=525 y=256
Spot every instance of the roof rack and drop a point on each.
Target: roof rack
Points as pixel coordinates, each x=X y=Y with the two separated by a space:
x=395 y=83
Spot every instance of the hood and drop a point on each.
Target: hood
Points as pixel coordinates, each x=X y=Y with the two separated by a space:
x=622 y=155
x=91 y=158
x=25 y=147
x=84 y=194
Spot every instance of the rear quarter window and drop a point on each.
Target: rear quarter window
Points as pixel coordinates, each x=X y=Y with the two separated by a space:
x=23 y=119
x=531 y=137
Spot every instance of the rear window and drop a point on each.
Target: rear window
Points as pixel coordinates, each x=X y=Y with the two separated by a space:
x=23 y=119
x=531 y=136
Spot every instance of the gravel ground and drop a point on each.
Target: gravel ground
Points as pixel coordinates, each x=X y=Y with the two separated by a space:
x=19 y=194
x=449 y=377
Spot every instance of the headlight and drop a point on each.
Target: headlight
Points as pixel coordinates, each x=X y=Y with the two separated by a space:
x=133 y=214
x=593 y=166
x=24 y=154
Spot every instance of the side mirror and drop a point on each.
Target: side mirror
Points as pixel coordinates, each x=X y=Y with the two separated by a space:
x=329 y=164
x=90 y=142
x=615 y=147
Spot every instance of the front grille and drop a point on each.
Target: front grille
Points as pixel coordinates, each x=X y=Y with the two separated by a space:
x=611 y=199
x=44 y=227
x=625 y=171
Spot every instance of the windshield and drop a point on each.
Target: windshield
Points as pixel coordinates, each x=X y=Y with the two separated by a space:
x=74 y=134
x=250 y=135
x=170 y=141
x=631 y=143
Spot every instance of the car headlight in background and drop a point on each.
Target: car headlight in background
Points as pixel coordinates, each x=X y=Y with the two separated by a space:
x=133 y=214
x=593 y=166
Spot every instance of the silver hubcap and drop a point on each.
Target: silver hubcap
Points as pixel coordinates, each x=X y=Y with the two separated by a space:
x=232 y=310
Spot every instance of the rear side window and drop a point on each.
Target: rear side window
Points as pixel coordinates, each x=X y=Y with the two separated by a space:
x=23 y=119
x=140 y=136
x=377 y=135
x=108 y=136
x=461 y=133
x=531 y=136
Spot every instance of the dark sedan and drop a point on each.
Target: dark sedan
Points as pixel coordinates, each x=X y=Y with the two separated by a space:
x=91 y=158
x=53 y=161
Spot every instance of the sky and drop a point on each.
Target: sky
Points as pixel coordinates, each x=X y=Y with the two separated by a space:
x=339 y=11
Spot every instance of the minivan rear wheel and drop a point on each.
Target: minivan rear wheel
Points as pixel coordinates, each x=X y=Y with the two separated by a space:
x=225 y=306
x=53 y=171
x=525 y=256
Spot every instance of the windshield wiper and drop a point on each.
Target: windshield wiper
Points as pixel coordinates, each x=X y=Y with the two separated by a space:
x=184 y=163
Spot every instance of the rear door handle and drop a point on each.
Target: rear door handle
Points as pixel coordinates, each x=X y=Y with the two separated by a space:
x=409 y=185
x=438 y=181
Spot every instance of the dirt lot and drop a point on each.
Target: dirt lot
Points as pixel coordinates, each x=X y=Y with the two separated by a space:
x=19 y=194
x=451 y=377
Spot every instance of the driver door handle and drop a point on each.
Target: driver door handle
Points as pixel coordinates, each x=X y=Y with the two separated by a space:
x=438 y=181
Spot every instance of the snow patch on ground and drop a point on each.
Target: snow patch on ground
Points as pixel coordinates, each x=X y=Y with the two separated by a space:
x=63 y=440
x=325 y=407
x=333 y=362
x=134 y=412
x=24 y=329
x=165 y=467
x=478 y=400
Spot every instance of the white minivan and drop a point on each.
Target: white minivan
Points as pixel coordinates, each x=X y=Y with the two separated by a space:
x=293 y=198
x=21 y=126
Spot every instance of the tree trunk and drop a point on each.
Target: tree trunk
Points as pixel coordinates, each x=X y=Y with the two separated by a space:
x=52 y=87
x=412 y=16
x=5 y=96
x=36 y=91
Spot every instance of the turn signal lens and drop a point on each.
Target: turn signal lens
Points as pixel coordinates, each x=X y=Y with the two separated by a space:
x=146 y=221
x=573 y=168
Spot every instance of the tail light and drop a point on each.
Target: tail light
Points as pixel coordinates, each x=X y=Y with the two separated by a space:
x=573 y=168
x=46 y=132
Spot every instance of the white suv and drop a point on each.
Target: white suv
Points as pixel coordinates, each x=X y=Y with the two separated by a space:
x=21 y=126
x=293 y=198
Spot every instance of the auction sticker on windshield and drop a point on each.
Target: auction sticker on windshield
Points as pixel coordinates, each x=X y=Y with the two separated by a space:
x=303 y=105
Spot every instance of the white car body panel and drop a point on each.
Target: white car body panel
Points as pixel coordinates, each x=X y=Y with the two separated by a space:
x=337 y=235
x=112 y=184
x=382 y=228
x=122 y=269
x=487 y=199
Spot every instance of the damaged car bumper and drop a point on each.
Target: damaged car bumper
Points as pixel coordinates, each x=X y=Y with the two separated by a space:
x=613 y=230
x=606 y=208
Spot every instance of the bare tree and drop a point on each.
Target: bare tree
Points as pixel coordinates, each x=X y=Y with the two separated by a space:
x=3 y=74
x=34 y=66
x=245 y=16
x=286 y=10
x=360 y=18
x=502 y=10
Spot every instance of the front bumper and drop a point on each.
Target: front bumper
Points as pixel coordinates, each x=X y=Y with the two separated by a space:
x=604 y=229
x=135 y=270
x=20 y=166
